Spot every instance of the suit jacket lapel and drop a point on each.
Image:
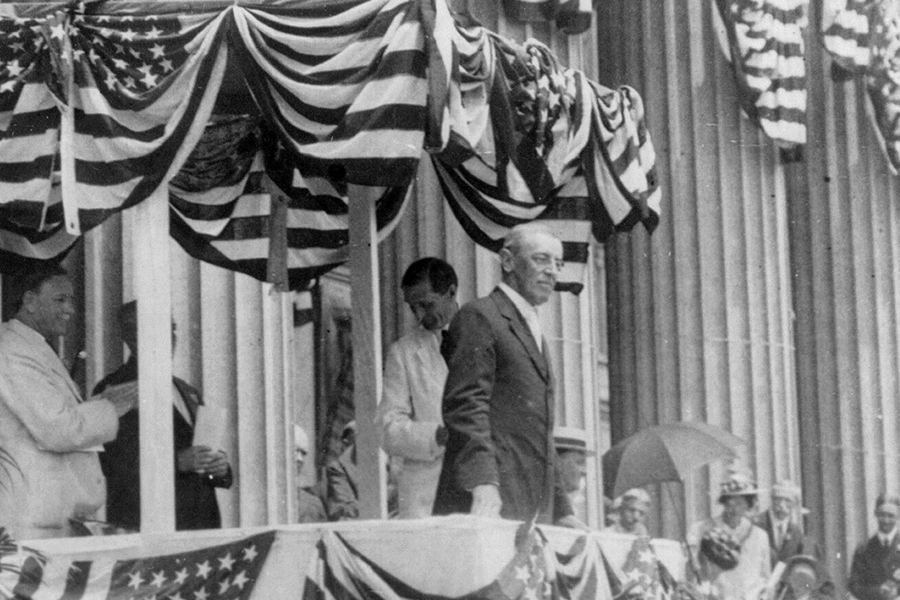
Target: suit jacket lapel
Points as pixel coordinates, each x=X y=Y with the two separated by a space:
x=521 y=330
x=55 y=364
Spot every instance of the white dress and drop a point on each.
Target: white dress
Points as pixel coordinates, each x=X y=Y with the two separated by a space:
x=750 y=576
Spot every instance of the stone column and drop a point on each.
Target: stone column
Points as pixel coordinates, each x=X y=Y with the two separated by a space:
x=699 y=312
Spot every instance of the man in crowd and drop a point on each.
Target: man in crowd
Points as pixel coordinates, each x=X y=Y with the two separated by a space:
x=571 y=459
x=876 y=561
x=342 y=479
x=409 y=415
x=52 y=436
x=632 y=511
x=782 y=522
x=198 y=468
x=498 y=403
x=309 y=505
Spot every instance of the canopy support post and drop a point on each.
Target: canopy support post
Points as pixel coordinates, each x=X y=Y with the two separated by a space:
x=152 y=289
x=365 y=300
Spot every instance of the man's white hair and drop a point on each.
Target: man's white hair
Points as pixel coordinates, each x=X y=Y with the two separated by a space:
x=516 y=236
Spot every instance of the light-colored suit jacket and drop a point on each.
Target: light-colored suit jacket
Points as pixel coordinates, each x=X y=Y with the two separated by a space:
x=409 y=415
x=51 y=435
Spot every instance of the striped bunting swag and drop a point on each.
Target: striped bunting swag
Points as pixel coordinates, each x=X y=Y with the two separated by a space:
x=845 y=32
x=766 y=49
x=338 y=571
x=344 y=85
x=580 y=159
x=863 y=37
x=31 y=214
x=101 y=111
x=224 y=209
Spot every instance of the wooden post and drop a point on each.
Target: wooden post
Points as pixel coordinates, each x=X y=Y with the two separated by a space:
x=152 y=289
x=366 y=311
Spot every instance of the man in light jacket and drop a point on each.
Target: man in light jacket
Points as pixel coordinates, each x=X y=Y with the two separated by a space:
x=52 y=436
x=409 y=415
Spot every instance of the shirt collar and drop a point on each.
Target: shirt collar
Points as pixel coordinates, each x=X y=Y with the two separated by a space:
x=524 y=306
x=887 y=537
x=28 y=332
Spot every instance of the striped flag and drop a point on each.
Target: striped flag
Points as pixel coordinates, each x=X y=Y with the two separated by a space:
x=863 y=37
x=766 y=49
x=224 y=572
x=31 y=216
x=223 y=207
x=543 y=142
x=344 y=85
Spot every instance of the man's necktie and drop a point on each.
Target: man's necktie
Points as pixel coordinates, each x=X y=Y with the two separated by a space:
x=445 y=344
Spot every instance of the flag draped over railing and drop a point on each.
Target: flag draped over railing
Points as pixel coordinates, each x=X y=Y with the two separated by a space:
x=338 y=571
x=766 y=48
x=863 y=37
x=328 y=565
x=225 y=571
x=101 y=109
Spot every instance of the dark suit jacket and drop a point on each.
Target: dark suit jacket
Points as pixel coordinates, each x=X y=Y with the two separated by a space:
x=195 y=498
x=498 y=407
x=872 y=565
x=342 y=494
x=794 y=543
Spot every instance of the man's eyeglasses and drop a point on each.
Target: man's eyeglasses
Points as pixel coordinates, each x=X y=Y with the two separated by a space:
x=543 y=261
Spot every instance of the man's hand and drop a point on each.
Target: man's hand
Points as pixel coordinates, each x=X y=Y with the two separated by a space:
x=202 y=460
x=486 y=501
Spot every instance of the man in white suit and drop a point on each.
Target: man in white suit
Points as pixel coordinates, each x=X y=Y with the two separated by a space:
x=409 y=415
x=51 y=435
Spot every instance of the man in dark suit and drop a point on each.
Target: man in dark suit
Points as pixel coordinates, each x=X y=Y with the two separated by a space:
x=782 y=524
x=198 y=469
x=876 y=561
x=498 y=403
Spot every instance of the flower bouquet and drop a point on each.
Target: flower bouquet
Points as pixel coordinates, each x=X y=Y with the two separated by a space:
x=719 y=547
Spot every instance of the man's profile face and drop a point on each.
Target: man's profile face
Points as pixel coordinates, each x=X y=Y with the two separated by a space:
x=631 y=514
x=571 y=464
x=886 y=514
x=782 y=507
x=432 y=310
x=51 y=307
x=533 y=269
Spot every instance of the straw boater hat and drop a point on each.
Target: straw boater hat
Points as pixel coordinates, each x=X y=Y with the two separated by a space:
x=570 y=438
x=637 y=496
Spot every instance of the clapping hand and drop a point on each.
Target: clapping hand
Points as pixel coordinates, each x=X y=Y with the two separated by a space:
x=202 y=460
x=486 y=501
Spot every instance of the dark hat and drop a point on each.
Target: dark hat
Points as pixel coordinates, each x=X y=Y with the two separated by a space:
x=804 y=560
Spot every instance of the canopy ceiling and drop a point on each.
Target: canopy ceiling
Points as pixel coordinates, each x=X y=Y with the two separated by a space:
x=252 y=121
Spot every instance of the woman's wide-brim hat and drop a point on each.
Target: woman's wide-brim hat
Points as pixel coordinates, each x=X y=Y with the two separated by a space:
x=737 y=484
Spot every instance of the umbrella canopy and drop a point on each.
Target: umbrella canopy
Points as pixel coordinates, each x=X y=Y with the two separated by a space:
x=665 y=453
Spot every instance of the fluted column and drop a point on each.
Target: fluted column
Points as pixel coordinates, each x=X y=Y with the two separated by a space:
x=845 y=251
x=699 y=325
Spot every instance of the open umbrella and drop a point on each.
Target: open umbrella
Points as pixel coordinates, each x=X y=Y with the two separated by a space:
x=665 y=453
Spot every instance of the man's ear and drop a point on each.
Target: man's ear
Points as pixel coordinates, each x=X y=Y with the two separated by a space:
x=506 y=259
x=28 y=299
x=452 y=289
